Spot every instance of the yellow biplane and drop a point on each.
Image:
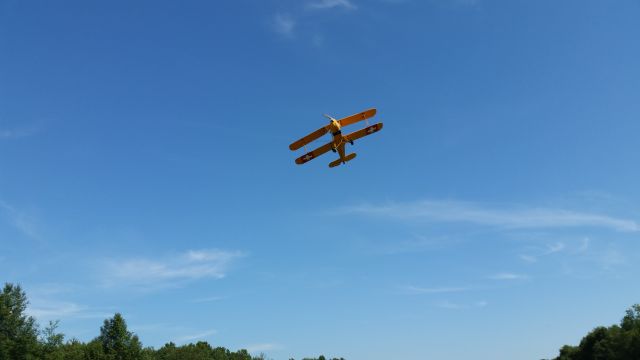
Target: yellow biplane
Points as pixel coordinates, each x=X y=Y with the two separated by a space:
x=339 y=141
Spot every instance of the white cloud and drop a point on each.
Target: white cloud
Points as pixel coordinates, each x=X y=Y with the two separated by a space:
x=528 y=258
x=557 y=247
x=254 y=348
x=514 y=218
x=208 y=299
x=51 y=288
x=508 y=276
x=318 y=40
x=198 y=336
x=18 y=132
x=413 y=244
x=456 y=306
x=584 y=245
x=55 y=310
x=449 y=305
x=192 y=265
x=612 y=258
x=45 y=310
x=438 y=290
x=284 y=24
x=145 y=328
x=466 y=2
x=20 y=220
x=330 y=4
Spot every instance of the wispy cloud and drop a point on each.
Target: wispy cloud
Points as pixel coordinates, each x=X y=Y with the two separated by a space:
x=16 y=133
x=512 y=218
x=437 y=290
x=284 y=24
x=44 y=310
x=549 y=250
x=528 y=258
x=508 y=276
x=254 y=348
x=554 y=248
x=170 y=271
x=154 y=327
x=412 y=244
x=47 y=290
x=20 y=220
x=448 y=3
x=611 y=259
x=330 y=4
x=208 y=299
x=317 y=40
x=466 y=2
x=584 y=245
x=457 y=306
x=198 y=336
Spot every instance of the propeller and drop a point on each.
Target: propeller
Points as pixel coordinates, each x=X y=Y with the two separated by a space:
x=328 y=117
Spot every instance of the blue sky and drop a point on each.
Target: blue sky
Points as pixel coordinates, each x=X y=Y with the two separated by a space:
x=144 y=169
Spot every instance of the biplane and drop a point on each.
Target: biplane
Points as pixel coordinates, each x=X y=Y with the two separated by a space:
x=337 y=144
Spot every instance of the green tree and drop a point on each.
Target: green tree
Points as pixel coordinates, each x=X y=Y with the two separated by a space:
x=52 y=342
x=609 y=343
x=167 y=352
x=241 y=354
x=629 y=339
x=18 y=332
x=74 y=350
x=631 y=320
x=94 y=350
x=568 y=352
x=117 y=342
x=21 y=340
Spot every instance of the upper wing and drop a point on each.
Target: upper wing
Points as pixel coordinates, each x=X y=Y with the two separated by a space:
x=309 y=138
x=314 y=154
x=364 y=132
x=357 y=117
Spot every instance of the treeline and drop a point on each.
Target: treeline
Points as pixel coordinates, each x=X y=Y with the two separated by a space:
x=616 y=342
x=22 y=339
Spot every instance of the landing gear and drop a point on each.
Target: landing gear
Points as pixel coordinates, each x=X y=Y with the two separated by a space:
x=351 y=142
x=334 y=149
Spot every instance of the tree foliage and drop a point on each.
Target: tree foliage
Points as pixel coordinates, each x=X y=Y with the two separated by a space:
x=18 y=332
x=616 y=342
x=117 y=342
x=20 y=339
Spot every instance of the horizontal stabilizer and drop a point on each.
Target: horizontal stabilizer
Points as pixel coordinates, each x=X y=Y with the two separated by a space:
x=340 y=161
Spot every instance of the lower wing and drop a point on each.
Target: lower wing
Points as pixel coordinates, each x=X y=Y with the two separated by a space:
x=315 y=153
x=309 y=138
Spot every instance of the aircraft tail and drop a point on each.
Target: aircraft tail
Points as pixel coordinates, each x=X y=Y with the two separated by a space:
x=340 y=161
